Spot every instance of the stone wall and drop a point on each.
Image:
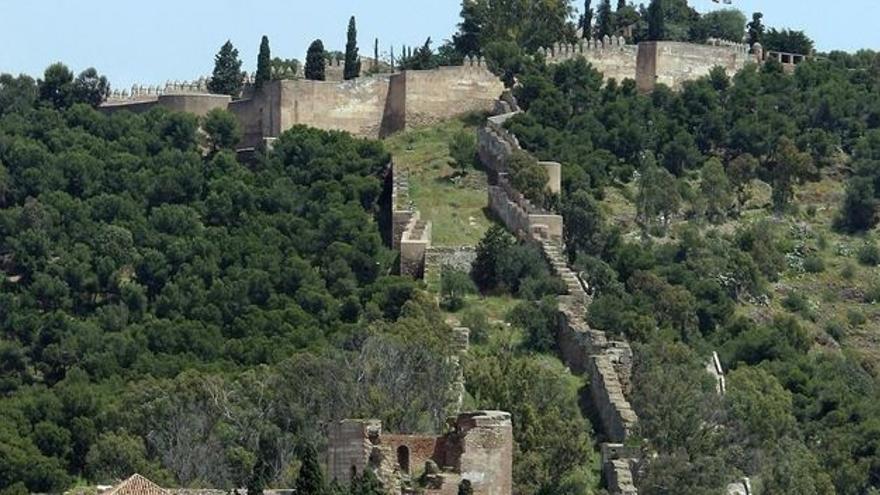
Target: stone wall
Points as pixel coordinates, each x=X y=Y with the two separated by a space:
x=672 y=63
x=608 y=363
x=610 y=56
x=478 y=447
x=436 y=95
x=197 y=103
x=371 y=106
x=410 y=235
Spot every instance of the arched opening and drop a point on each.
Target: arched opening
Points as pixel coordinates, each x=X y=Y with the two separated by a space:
x=403 y=458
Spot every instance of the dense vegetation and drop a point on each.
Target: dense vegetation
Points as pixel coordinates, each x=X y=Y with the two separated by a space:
x=165 y=309
x=800 y=414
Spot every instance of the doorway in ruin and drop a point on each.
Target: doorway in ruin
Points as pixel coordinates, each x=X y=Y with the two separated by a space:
x=403 y=458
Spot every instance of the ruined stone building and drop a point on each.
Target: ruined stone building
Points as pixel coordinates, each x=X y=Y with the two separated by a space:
x=477 y=447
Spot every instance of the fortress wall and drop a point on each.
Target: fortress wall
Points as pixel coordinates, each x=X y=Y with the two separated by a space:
x=259 y=115
x=356 y=106
x=610 y=56
x=672 y=63
x=142 y=106
x=198 y=104
x=442 y=93
x=485 y=440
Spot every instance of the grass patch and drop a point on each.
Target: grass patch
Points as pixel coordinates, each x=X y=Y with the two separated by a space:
x=455 y=206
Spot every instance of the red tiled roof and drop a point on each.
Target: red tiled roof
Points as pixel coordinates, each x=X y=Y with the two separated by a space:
x=137 y=485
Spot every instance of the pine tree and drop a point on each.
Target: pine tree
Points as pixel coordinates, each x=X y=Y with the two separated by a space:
x=315 y=60
x=352 y=68
x=264 y=64
x=656 y=21
x=227 y=78
x=465 y=488
x=311 y=479
x=366 y=484
x=621 y=4
x=586 y=23
x=605 y=20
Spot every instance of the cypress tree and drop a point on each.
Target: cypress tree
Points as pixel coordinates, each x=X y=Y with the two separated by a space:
x=586 y=23
x=227 y=78
x=315 y=61
x=264 y=62
x=352 y=60
x=311 y=479
x=656 y=21
x=605 y=21
x=621 y=4
x=376 y=55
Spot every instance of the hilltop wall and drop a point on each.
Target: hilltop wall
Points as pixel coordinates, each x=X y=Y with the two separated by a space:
x=372 y=106
x=673 y=63
x=608 y=363
x=655 y=62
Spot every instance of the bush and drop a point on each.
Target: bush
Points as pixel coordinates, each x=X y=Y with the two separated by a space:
x=872 y=295
x=836 y=329
x=463 y=149
x=869 y=254
x=797 y=303
x=476 y=320
x=855 y=317
x=814 y=264
x=454 y=286
x=848 y=271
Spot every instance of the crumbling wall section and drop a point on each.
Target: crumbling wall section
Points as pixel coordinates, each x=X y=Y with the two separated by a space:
x=484 y=441
x=410 y=235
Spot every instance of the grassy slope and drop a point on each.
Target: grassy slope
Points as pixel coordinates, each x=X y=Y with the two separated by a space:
x=835 y=296
x=457 y=210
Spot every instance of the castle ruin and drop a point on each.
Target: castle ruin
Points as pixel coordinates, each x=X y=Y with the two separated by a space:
x=477 y=447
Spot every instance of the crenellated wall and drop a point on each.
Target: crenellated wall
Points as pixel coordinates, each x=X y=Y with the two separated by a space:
x=372 y=106
x=608 y=363
x=613 y=57
x=673 y=63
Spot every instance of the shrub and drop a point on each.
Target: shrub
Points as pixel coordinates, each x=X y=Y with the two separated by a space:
x=476 y=320
x=814 y=264
x=869 y=254
x=836 y=329
x=454 y=286
x=872 y=294
x=463 y=149
x=848 y=271
x=855 y=317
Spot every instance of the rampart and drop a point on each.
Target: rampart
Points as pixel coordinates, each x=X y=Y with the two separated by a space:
x=410 y=235
x=649 y=63
x=608 y=363
x=371 y=106
x=477 y=446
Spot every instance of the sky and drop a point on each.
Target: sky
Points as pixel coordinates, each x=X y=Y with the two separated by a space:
x=152 y=41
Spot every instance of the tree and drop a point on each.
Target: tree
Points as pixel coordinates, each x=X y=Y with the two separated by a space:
x=759 y=403
x=756 y=29
x=530 y=24
x=787 y=166
x=741 y=171
x=621 y=4
x=465 y=488
x=604 y=20
x=352 y=67
x=366 y=483
x=656 y=21
x=463 y=149
x=586 y=20
x=529 y=177
x=585 y=225
x=491 y=247
x=454 y=286
x=223 y=129
x=725 y=24
x=859 y=210
x=16 y=93
x=788 y=41
x=315 y=61
x=264 y=64
x=376 y=55
x=56 y=86
x=227 y=78
x=422 y=59
x=311 y=478
x=90 y=88
x=658 y=195
x=715 y=188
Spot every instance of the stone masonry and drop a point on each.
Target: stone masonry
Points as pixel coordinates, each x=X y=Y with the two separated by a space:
x=608 y=363
x=477 y=446
x=410 y=235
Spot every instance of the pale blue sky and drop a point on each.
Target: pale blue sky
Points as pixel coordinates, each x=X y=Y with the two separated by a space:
x=151 y=41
